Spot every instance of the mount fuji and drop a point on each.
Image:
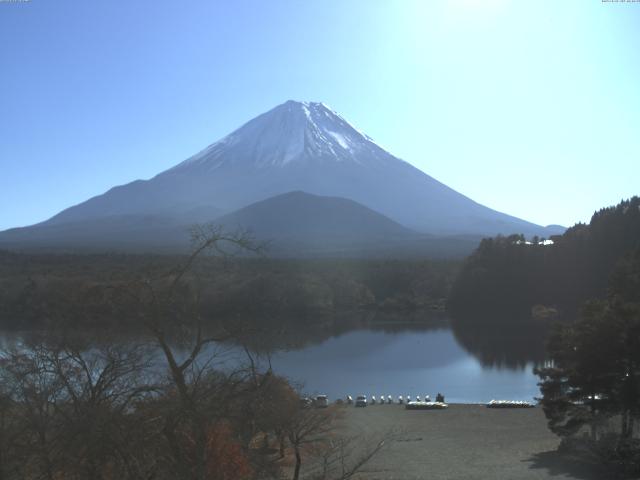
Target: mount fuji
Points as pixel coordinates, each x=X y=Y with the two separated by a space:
x=295 y=147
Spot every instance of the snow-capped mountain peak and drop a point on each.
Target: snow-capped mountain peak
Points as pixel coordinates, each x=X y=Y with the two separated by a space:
x=290 y=133
x=298 y=146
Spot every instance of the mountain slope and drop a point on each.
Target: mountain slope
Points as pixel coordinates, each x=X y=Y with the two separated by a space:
x=294 y=224
x=307 y=147
x=304 y=216
x=298 y=224
x=124 y=232
x=296 y=146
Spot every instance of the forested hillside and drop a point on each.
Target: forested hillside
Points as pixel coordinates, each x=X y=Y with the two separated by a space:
x=36 y=288
x=511 y=278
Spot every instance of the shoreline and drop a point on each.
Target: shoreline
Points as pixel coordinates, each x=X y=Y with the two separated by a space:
x=464 y=441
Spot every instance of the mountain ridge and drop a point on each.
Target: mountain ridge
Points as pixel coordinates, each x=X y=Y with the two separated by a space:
x=300 y=214
x=299 y=146
x=293 y=225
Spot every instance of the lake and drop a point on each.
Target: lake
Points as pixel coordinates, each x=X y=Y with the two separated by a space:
x=390 y=359
x=403 y=361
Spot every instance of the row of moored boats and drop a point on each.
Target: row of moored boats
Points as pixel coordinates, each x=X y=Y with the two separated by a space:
x=363 y=401
x=419 y=403
x=509 y=404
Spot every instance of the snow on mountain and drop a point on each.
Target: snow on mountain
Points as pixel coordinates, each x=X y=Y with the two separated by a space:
x=291 y=132
x=299 y=146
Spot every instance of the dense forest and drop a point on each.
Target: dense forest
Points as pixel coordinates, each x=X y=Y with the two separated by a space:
x=34 y=289
x=510 y=278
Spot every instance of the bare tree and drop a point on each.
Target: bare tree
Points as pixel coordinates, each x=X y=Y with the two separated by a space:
x=341 y=458
x=308 y=427
x=34 y=395
x=75 y=408
x=100 y=388
x=331 y=455
x=169 y=307
x=70 y=406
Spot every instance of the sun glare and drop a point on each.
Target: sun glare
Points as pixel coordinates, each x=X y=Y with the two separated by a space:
x=477 y=4
x=474 y=9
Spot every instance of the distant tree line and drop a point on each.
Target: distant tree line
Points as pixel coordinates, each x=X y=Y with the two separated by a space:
x=510 y=278
x=32 y=287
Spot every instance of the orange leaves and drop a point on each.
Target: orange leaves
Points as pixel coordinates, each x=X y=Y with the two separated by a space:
x=226 y=459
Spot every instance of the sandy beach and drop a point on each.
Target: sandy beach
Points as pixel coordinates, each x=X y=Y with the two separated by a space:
x=464 y=442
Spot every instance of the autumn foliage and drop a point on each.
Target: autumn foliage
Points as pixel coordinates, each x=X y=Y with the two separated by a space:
x=226 y=459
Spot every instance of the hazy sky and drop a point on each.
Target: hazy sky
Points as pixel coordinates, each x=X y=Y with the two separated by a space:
x=529 y=107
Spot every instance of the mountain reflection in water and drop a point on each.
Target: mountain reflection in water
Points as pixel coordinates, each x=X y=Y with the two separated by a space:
x=410 y=362
x=415 y=358
x=380 y=355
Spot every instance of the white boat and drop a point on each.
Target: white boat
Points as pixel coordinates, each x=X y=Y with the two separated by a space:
x=426 y=406
x=509 y=404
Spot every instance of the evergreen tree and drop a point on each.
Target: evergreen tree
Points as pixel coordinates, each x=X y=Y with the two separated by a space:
x=594 y=378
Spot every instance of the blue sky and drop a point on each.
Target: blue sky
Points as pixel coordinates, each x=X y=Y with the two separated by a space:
x=529 y=107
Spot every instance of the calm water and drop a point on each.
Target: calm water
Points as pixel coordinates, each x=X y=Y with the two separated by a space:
x=409 y=362
x=406 y=361
x=395 y=360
